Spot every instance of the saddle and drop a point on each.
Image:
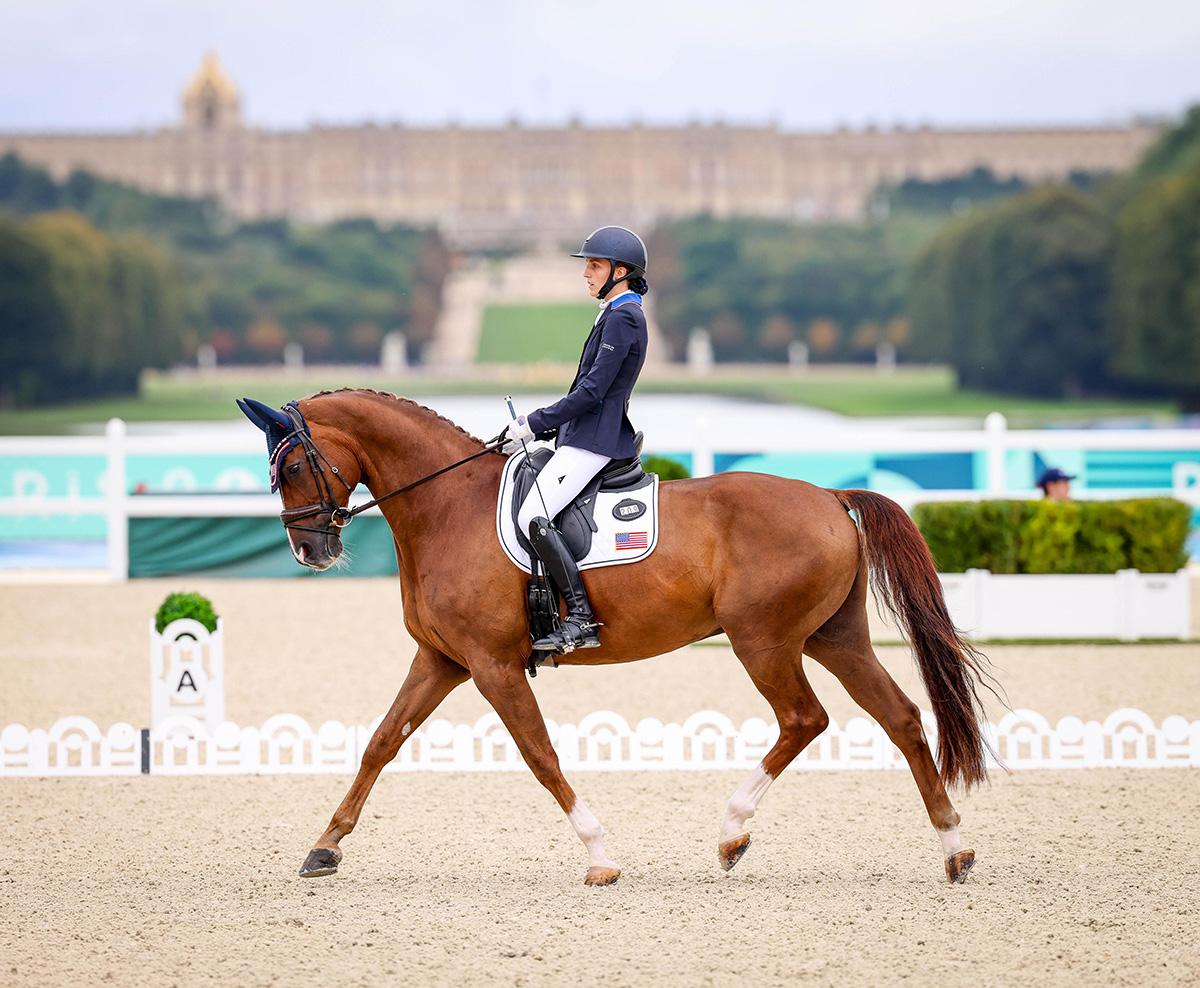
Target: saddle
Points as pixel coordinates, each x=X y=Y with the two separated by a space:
x=577 y=521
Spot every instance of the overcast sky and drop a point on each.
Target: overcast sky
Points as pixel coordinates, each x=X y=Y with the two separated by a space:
x=119 y=64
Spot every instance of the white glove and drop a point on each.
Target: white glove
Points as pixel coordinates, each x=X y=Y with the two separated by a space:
x=518 y=429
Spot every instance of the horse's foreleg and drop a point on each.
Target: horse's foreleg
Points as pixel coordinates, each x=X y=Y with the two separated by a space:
x=509 y=693
x=780 y=678
x=431 y=677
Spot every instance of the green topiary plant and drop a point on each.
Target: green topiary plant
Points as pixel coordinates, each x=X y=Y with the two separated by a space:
x=667 y=469
x=185 y=605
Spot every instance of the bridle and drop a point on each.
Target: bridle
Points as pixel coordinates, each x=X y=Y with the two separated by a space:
x=317 y=461
x=340 y=517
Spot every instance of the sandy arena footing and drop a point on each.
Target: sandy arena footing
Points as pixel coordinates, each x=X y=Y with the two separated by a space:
x=1085 y=877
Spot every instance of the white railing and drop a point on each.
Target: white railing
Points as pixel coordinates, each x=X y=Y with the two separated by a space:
x=602 y=741
x=698 y=438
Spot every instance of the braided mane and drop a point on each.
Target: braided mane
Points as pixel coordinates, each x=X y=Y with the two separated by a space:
x=408 y=401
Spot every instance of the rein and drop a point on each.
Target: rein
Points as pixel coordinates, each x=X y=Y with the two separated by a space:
x=349 y=513
x=340 y=517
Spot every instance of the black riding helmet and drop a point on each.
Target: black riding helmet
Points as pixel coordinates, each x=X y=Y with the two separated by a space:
x=618 y=246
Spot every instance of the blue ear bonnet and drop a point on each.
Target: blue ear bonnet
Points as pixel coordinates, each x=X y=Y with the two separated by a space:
x=281 y=433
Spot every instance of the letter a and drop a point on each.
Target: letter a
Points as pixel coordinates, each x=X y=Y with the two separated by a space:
x=186 y=680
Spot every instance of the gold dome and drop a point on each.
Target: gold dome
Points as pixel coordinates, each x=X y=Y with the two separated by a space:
x=212 y=73
x=211 y=100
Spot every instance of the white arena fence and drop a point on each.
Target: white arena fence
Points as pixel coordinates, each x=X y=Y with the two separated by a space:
x=602 y=741
x=700 y=439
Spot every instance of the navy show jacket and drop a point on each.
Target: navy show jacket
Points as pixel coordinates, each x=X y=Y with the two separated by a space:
x=593 y=415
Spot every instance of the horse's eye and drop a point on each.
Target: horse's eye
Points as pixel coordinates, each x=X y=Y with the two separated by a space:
x=293 y=469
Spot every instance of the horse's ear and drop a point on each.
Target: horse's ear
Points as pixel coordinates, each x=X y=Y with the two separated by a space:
x=251 y=414
x=264 y=416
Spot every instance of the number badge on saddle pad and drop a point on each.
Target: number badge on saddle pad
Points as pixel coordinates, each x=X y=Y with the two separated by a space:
x=629 y=509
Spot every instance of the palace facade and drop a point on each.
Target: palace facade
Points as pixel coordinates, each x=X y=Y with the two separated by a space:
x=485 y=187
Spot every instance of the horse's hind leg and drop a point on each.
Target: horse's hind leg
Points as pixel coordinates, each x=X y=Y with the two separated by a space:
x=843 y=646
x=778 y=673
x=430 y=679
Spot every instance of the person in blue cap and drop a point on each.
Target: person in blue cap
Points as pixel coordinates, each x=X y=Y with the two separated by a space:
x=1056 y=485
x=591 y=424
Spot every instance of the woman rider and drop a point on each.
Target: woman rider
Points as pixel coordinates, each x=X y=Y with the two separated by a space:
x=591 y=422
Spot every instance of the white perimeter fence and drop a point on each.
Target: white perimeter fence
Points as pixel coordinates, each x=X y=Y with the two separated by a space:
x=286 y=744
x=700 y=439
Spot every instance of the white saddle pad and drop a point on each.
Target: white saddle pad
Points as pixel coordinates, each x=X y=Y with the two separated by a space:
x=616 y=541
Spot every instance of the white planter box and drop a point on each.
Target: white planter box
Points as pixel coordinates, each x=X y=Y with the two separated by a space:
x=1127 y=605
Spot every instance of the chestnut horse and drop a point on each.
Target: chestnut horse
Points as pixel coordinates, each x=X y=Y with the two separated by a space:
x=777 y=565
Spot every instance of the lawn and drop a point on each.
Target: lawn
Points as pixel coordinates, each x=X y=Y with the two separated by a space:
x=529 y=333
x=910 y=391
x=855 y=391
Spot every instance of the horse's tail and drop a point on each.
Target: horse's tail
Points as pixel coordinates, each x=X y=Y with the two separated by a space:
x=904 y=578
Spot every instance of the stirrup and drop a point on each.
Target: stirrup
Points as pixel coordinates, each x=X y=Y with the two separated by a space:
x=573 y=633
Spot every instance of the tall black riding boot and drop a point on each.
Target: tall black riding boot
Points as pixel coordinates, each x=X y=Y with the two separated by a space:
x=578 y=629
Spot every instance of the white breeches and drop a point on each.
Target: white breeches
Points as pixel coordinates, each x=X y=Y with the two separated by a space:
x=567 y=473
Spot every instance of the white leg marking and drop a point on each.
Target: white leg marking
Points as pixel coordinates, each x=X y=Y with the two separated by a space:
x=744 y=802
x=951 y=844
x=591 y=833
x=406 y=730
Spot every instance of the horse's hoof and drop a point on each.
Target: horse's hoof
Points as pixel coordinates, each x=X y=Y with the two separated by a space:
x=321 y=861
x=601 y=876
x=730 y=851
x=958 y=865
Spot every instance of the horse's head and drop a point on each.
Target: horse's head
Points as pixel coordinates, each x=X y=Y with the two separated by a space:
x=314 y=474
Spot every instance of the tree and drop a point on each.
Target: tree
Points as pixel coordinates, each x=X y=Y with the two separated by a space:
x=1015 y=297
x=775 y=335
x=955 y=194
x=80 y=273
x=81 y=313
x=149 y=303
x=755 y=272
x=267 y=338
x=1156 y=288
x=30 y=320
x=823 y=335
x=866 y=336
x=1176 y=152
x=183 y=260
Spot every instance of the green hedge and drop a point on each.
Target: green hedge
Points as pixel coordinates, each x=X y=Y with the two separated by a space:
x=667 y=469
x=1056 y=537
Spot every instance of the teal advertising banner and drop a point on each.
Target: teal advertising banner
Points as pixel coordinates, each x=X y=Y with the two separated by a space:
x=64 y=535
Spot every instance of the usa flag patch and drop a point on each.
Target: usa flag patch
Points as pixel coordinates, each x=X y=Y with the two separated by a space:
x=632 y=540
